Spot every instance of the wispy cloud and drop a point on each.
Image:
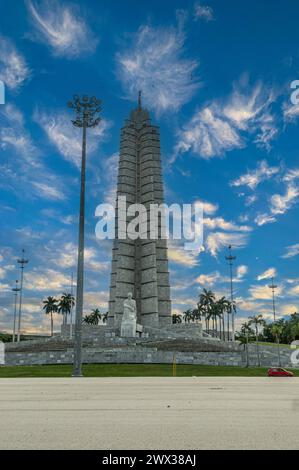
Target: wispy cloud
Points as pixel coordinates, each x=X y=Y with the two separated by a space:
x=13 y=135
x=291 y=175
x=268 y=274
x=48 y=191
x=155 y=63
x=222 y=126
x=62 y=28
x=216 y=241
x=221 y=223
x=290 y=112
x=263 y=219
x=253 y=178
x=203 y=12
x=66 y=138
x=26 y=169
x=281 y=203
x=291 y=251
x=14 y=70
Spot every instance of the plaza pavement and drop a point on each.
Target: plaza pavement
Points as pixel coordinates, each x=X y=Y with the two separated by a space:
x=149 y=413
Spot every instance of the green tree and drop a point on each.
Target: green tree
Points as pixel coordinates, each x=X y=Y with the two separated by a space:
x=206 y=301
x=245 y=336
x=187 y=315
x=50 y=307
x=256 y=321
x=96 y=316
x=65 y=305
x=176 y=318
x=105 y=317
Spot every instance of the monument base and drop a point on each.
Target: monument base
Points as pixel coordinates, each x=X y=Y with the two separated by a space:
x=128 y=329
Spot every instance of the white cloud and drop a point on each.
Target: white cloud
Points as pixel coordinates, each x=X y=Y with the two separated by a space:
x=221 y=223
x=282 y=203
x=155 y=64
x=13 y=135
x=291 y=251
x=268 y=274
x=263 y=292
x=222 y=126
x=66 y=257
x=203 y=12
x=253 y=178
x=178 y=255
x=208 y=279
x=288 y=309
x=290 y=112
x=242 y=270
x=208 y=207
x=208 y=135
x=263 y=219
x=48 y=191
x=294 y=291
x=68 y=139
x=46 y=280
x=218 y=240
x=13 y=68
x=62 y=28
x=291 y=175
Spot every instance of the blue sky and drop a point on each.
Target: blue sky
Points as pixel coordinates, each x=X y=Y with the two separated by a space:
x=216 y=78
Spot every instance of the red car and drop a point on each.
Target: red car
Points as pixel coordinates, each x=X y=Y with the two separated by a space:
x=279 y=372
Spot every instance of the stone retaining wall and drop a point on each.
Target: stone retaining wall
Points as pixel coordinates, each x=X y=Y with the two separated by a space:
x=148 y=355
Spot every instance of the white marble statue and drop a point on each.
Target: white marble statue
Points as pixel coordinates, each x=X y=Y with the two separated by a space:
x=129 y=319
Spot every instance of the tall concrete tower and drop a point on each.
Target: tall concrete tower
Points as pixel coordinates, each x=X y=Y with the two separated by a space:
x=140 y=266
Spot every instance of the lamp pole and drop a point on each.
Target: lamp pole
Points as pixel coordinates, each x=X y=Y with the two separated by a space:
x=230 y=260
x=273 y=287
x=87 y=115
x=15 y=291
x=22 y=262
x=72 y=292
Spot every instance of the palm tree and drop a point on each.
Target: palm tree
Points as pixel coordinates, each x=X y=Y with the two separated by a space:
x=176 y=318
x=277 y=330
x=245 y=337
x=187 y=315
x=257 y=320
x=96 y=316
x=105 y=317
x=215 y=313
x=87 y=319
x=206 y=300
x=50 y=307
x=65 y=305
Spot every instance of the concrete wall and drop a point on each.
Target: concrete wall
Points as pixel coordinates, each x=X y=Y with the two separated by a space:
x=135 y=354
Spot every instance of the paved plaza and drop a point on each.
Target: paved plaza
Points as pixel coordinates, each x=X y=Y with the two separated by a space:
x=149 y=413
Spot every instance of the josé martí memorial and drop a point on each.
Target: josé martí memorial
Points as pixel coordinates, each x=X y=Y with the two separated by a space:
x=139 y=327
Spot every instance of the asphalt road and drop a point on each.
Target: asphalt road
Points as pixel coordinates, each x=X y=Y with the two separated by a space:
x=149 y=413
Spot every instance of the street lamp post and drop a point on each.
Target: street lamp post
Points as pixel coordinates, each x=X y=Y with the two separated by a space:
x=230 y=260
x=273 y=287
x=15 y=291
x=71 y=320
x=87 y=115
x=22 y=262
